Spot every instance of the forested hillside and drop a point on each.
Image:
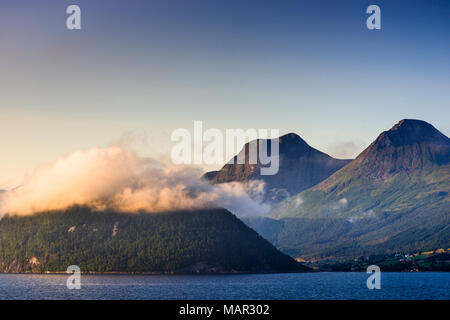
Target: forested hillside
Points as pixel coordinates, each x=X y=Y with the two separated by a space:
x=204 y=241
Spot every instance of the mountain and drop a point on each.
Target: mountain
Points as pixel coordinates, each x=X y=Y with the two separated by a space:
x=202 y=241
x=393 y=197
x=300 y=167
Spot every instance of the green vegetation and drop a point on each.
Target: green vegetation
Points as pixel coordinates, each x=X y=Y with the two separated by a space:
x=204 y=241
x=397 y=262
x=394 y=197
x=338 y=238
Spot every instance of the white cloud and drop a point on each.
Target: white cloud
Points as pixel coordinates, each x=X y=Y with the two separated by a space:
x=297 y=202
x=117 y=179
x=346 y=150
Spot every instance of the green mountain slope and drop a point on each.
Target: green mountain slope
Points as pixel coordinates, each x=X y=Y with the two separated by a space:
x=203 y=241
x=393 y=196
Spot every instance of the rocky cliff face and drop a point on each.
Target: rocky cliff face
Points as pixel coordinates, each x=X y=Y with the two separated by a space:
x=410 y=147
x=300 y=168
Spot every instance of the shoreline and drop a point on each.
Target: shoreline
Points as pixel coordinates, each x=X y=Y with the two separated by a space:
x=151 y=273
x=197 y=274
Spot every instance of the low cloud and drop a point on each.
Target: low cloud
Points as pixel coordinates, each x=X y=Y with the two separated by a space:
x=346 y=150
x=297 y=202
x=365 y=215
x=113 y=178
x=340 y=204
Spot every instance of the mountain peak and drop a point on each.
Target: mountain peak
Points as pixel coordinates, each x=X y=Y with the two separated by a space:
x=291 y=137
x=411 y=123
x=409 y=145
x=410 y=131
x=300 y=167
x=393 y=197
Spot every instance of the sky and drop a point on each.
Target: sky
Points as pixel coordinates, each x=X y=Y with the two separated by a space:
x=138 y=70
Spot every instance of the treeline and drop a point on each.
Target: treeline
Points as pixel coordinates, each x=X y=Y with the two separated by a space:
x=393 y=263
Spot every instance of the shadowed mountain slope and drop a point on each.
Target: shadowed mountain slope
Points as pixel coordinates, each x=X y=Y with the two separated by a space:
x=393 y=196
x=300 y=167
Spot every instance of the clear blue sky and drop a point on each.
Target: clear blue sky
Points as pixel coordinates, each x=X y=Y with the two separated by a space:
x=149 y=67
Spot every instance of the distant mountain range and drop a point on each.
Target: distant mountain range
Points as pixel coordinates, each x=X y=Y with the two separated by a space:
x=393 y=197
x=300 y=168
x=202 y=241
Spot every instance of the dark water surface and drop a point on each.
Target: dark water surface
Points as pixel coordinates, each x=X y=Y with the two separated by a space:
x=337 y=285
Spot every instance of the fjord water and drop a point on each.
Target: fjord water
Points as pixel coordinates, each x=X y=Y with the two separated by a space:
x=337 y=285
